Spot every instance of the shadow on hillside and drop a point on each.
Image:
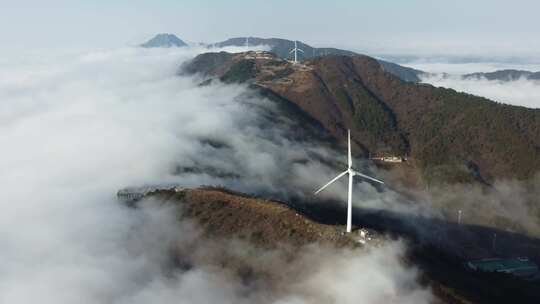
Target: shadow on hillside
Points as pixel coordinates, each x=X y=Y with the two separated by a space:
x=440 y=248
x=466 y=241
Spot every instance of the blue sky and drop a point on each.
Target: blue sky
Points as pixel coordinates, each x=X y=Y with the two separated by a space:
x=393 y=26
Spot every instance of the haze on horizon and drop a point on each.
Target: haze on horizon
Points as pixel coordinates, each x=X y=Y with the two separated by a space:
x=418 y=27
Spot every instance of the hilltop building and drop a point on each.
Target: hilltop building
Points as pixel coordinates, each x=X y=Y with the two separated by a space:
x=137 y=193
x=390 y=159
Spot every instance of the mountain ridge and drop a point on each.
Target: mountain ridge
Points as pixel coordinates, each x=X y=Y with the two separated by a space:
x=281 y=47
x=227 y=219
x=452 y=136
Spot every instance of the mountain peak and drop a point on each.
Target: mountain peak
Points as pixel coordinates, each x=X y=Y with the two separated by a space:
x=282 y=48
x=164 y=40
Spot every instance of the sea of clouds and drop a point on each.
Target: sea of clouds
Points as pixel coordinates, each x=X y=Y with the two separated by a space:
x=76 y=127
x=521 y=92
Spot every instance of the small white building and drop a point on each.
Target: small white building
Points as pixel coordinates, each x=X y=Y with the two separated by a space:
x=390 y=159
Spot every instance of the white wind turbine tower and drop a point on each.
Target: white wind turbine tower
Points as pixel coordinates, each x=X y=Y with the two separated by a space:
x=247 y=42
x=295 y=50
x=351 y=173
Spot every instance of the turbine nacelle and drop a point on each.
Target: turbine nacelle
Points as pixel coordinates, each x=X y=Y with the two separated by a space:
x=352 y=173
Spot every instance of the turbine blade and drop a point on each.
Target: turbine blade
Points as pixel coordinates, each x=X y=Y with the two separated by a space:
x=301 y=50
x=349 y=145
x=330 y=182
x=291 y=51
x=367 y=177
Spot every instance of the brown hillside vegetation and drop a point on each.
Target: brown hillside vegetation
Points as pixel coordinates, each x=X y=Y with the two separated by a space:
x=453 y=137
x=250 y=237
x=266 y=223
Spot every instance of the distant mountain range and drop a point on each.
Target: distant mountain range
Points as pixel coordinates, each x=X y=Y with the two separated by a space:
x=282 y=48
x=504 y=75
x=449 y=136
x=164 y=40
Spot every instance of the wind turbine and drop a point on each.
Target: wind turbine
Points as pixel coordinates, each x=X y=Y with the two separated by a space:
x=351 y=173
x=295 y=50
x=247 y=42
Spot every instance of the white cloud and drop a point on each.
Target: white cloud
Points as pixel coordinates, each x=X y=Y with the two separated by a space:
x=76 y=127
x=446 y=74
x=442 y=65
x=521 y=92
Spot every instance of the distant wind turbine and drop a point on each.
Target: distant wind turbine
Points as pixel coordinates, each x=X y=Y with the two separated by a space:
x=295 y=50
x=247 y=42
x=351 y=173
